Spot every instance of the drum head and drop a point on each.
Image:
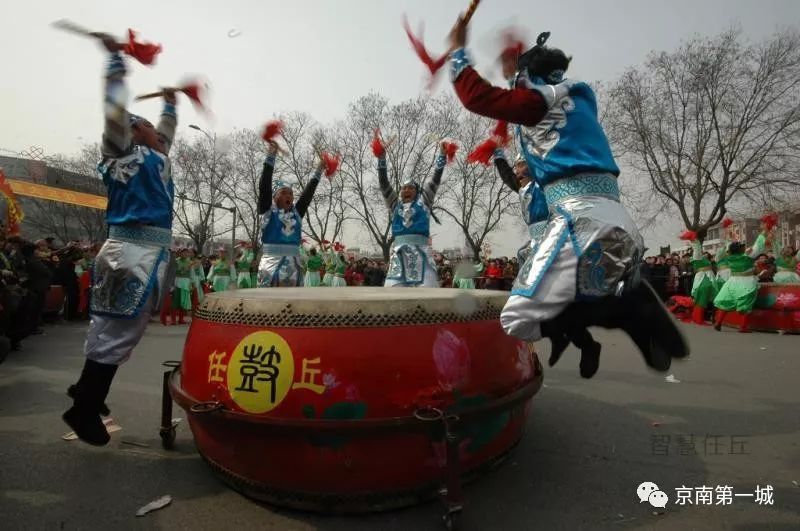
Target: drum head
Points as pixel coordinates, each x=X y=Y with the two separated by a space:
x=332 y=307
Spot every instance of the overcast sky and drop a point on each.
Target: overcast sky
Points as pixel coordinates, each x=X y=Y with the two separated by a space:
x=314 y=56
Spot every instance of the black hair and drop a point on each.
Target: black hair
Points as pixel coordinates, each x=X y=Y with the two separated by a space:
x=543 y=62
x=736 y=248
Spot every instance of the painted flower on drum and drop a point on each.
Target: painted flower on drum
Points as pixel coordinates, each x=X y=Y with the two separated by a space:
x=787 y=300
x=524 y=365
x=452 y=359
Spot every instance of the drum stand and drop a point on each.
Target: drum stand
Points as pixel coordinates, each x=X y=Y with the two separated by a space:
x=441 y=426
x=168 y=427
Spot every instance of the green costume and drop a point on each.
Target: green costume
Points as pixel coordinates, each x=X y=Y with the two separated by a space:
x=328 y=258
x=740 y=291
x=197 y=277
x=339 y=269
x=704 y=285
x=723 y=269
x=220 y=275
x=787 y=266
x=182 y=296
x=313 y=265
x=243 y=277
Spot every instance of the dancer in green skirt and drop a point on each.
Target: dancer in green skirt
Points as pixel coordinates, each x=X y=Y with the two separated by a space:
x=243 y=262
x=740 y=291
x=339 y=266
x=704 y=285
x=221 y=274
x=313 y=265
x=182 y=296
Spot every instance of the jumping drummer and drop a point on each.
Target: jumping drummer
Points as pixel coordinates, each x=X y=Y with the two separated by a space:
x=535 y=214
x=282 y=225
x=131 y=265
x=591 y=248
x=411 y=260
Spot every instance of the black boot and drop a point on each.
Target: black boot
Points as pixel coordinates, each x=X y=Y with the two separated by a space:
x=90 y=393
x=590 y=349
x=103 y=408
x=642 y=315
x=558 y=340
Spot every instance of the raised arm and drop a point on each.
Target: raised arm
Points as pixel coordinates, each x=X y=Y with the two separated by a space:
x=116 y=128
x=697 y=250
x=168 y=122
x=308 y=192
x=432 y=184
x=505 y=171
x=265 y=183
x=758 y=246
x=523 y=106
x=389 y=194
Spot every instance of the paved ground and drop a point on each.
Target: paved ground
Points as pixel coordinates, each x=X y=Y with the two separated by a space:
x=589 y=445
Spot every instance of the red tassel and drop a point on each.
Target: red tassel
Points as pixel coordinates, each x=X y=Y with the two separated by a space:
x=727 y=222
x=272 y=129
x=378 y=149
x=688 y=235
x=770 y=220
x=450 y=149
x=144 y=52
x=483 y=152
x=419 y=47
x=512 y=45
x=193 y=92
x=331 y=164
x=501 y=132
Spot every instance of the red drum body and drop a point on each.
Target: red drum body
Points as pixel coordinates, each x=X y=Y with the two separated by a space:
x=777 y=309
x=341 y=400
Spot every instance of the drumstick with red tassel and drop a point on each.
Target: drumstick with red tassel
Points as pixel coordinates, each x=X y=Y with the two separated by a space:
x=434 y=65
x=144 y=52
x=194 y=90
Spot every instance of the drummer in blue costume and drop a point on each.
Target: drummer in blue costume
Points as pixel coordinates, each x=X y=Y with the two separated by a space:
x=411 y=260
x=535 y=213
x=282 y=225
x=130 y=267
x=584 y=271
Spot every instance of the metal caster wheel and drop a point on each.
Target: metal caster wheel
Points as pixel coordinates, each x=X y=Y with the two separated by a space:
x=452 y=521
x=168 y=438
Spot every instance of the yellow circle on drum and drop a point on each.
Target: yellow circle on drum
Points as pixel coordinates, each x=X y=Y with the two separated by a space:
x=260 y=372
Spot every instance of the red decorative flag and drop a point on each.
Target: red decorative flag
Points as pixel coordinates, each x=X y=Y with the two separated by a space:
x=512 y=45
x=450 y=149
x=144 y=52
x=434 y=65
x=331 y=164
x=15 y=214
x=727 y=222
x=688 y=235
x=272 y=129
x=378 y=149
x=770 y=220
x=501 y=132
x=483 y=152
x=193 y=91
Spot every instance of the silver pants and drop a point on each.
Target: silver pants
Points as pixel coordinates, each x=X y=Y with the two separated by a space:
x=111 y=340
x=590 y=245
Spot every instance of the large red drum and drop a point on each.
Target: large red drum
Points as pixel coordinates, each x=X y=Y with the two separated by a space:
x=777 y=309
x=343 y=400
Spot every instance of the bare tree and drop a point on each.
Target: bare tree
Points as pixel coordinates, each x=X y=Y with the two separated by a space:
x=200 y=170
x=247 y=155
x=714 y=123
x=473 y=196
